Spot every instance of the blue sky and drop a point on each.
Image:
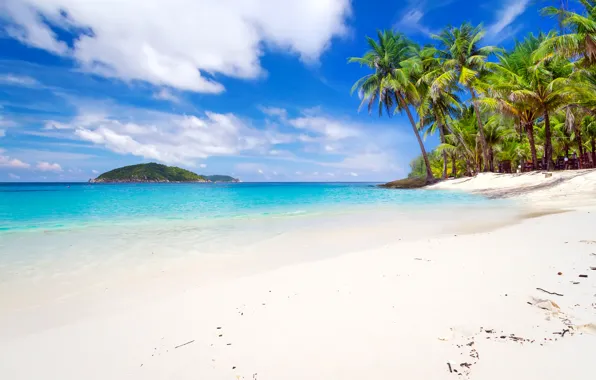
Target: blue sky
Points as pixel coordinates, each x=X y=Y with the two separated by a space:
x=258 y=89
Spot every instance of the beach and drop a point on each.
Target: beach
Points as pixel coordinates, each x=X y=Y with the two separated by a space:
x=488 y=294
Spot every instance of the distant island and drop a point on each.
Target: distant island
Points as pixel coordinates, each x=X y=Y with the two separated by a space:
x=156 y=173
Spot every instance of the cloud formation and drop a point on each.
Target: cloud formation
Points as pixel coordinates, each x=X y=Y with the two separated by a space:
x=48 y=167
x=167 y=95
x=183 y=44
x=18 y=80
x=505 y=16
x=9 y=162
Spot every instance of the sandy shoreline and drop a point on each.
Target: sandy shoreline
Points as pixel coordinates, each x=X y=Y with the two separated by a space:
x=572 y=188
x=403 y=309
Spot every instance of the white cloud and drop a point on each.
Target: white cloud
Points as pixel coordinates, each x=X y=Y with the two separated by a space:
x=329 y=128
x=165 y=94
x=48 y=167
x=180 y=139
x=505 y=16
x=410 y=20
x=274 y=112
x=2 y=133
x=94 y=171
x=203 y=166
x=260 y=171
x=374 y=161
x=9 y=162
x=354 y=174
x=177 y=43
x=314 y=122
x=6 y=123
x=13 y=176
x=18 y=80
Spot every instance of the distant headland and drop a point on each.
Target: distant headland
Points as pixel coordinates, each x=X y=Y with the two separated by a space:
x=156 y=173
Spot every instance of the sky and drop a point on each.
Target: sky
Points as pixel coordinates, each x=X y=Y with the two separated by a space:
x=256 y=89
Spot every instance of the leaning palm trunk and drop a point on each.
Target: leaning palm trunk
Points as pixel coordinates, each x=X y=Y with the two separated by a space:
x=480 y=132
x=548 y=144
x=454 y=166
x=593 y=146
x=442 y=136
x=429 y=173
x=468 y=152
x=530 y=132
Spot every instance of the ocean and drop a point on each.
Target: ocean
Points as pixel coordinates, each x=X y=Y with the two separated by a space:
x=31 y=206
x=62 y=240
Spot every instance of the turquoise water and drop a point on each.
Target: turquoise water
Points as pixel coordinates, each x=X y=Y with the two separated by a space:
x=60 y=205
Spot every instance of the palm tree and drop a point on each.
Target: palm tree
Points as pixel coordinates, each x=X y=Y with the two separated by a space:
x=436 y=112
x=496 y=132
x=394 y=61
x=463 y=139
x=536 y=85
x=588 y=126
x=464 y=61
x=515 y=72
x=581 y=42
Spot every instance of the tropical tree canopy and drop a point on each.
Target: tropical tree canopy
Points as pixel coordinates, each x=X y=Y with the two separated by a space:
x=526 y=108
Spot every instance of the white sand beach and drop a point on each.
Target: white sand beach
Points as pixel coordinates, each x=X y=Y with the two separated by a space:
x=476 y=298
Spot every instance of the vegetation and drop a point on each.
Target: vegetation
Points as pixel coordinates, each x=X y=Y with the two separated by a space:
x=492 y=109
x=151 y=172
x=221 y=178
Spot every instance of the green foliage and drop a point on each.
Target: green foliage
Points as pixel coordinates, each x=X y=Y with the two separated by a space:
x=151 y=172
x=535 y=103
x=221 y=178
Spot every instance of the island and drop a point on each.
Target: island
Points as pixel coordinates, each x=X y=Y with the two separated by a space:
x=156 y=173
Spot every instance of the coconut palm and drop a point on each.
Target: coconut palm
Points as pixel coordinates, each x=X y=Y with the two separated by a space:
x=588 y=125
x=464 y=61
x=393 y=60
x=496 y=131
x=581 y=41
x=538 y=85
x=437 y=111
x=515 y=72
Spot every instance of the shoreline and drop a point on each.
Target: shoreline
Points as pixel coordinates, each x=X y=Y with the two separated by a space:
x=408 y=307
x=572 y=187
x=370 y=297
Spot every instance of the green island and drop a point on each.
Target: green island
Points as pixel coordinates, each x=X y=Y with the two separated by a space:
x=156 y=173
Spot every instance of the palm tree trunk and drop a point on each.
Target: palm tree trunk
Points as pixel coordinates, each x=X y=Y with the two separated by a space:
x=454 y=166
x=492 y=159
x=480 y=131
x=593 y=145
x=548 y=144
x=429 y=173
x=580 y=145
x=530 y=132
x=442 y=136
x=461 y=141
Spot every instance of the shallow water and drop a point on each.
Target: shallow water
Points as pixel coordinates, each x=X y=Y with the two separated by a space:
x=60 y=205
x=59 y=241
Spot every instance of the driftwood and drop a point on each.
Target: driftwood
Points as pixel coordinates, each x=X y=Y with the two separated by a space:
x=553 y=293
x=184 y=344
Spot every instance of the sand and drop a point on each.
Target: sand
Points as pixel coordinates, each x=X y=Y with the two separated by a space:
x=571 y=188
x=401 y=310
